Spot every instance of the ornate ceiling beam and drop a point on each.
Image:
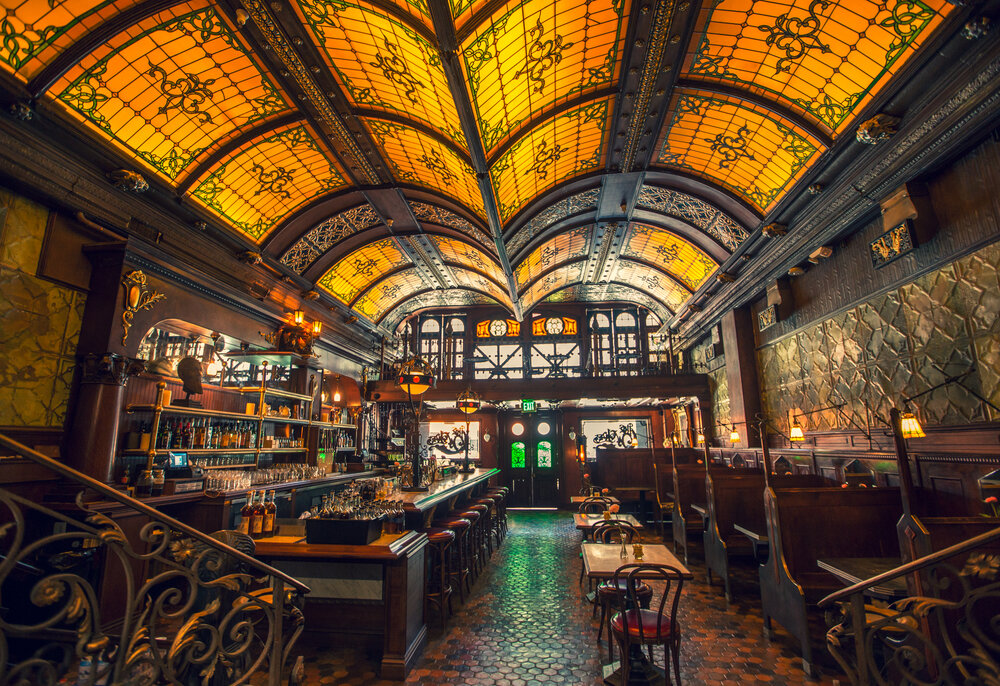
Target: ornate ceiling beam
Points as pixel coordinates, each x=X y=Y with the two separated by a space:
x=606 y=243
x=361 y=168
x=448 y=44
x=87 y=44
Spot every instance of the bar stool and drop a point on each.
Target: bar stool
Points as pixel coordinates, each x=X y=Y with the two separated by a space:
x=480 y=529
x=503 y=493
x=490 y=527
x=458 y=565
x=473 y=558
x=438 y=591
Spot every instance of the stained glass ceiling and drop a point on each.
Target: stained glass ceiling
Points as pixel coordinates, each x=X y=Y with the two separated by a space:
x=501 y=127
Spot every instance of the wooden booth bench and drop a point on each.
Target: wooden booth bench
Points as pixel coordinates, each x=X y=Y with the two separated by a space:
x=808 y=524
x=737 y=497
x=689 y=491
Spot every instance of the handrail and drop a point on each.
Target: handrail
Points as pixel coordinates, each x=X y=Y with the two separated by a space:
x=915 y=565
x=155 y=514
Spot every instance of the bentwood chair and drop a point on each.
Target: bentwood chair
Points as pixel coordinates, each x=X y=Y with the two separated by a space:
x=594 y=506
x=633 y=625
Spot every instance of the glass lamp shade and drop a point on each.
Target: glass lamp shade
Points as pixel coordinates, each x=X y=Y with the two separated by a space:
x=468 y=402
x=415 y=376
x=795 y=433
x=910 y=426
x=298 y=316
x=701 y=439
x=734 y=436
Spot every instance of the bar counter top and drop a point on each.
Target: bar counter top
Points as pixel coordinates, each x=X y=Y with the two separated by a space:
x=386 y=547
x=444 y=489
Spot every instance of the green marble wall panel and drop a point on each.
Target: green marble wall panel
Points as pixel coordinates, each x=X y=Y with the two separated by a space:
x=39 y=323
x=896 y=344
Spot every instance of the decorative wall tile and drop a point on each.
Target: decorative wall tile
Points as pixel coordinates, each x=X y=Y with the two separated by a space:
x=22 y=229
x=896 y=345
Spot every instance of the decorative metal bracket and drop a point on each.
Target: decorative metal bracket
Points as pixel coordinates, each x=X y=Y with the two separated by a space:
x=137 y=297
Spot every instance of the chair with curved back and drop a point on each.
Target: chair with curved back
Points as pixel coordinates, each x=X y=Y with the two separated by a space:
x=606 y=595
x=605 y=532
x=647 y=627
x=594 y=506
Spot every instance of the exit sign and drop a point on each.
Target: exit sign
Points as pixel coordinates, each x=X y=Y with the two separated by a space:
x=527 y=406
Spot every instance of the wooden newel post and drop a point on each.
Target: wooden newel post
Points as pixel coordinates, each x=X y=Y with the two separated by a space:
x=902 y=460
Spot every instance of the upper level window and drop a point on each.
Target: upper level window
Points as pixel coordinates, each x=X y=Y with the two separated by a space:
x=442 y=343
x=615 y=348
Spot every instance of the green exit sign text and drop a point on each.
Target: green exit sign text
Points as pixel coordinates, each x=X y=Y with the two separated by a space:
x=527 y=406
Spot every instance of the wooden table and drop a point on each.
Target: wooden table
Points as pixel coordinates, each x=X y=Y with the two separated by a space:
x=600 y=560
x=586 y=522
x=757 y=539
x=852 y=570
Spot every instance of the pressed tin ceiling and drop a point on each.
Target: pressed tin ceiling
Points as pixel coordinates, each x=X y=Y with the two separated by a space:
x=404 y=154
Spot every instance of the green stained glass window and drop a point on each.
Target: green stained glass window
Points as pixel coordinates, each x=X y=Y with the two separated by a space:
x=544 y=455
x=517 y=455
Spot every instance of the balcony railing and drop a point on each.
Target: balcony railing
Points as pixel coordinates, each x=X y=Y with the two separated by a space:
x=187 y=607
x=946 y=632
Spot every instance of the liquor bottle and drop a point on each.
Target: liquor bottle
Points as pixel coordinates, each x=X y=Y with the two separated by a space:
x=186 y=434
x=270 y=510
x=198 y=434
x=209 y=434
x=257 y=517
x=246 y=514
x=163 y=435
x=175 y=439
x=224 y=436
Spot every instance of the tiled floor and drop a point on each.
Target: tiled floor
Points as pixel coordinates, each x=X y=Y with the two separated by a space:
x=527 y=623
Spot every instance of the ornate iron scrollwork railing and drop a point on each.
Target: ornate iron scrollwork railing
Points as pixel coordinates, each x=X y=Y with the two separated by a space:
x=946 y=632
x=83 y=601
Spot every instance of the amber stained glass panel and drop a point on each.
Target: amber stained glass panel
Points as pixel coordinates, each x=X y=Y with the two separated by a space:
x=169 y=87
x=459 y=252
x=264 y=180
x=529 y=56
x=824 y=58
x=478 y=282
x=654 y=282
x=383 y=63
x=570 y=245
x=563 y=147
x=553 y=281
x=747 y=149
x=35 y=31
x=384 y=295
x=422 y=160
x=669 y=252
x=356 y=271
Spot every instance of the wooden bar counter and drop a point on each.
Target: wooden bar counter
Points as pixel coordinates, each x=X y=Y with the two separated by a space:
x=372 y=594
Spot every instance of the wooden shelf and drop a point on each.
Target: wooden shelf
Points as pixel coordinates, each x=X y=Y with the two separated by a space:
x=284 y=450
x=276 y=392
x=284 y=420
x=243 y=465
x=194 y=451
x=196 y=411
x=331 y=425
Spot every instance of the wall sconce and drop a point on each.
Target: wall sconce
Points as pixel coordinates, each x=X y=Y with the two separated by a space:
x=298 y=316
x=317 y=328
x=910 y=426
x=296 y=337
x=734 y=435
x=795 y=434
x=701 y=438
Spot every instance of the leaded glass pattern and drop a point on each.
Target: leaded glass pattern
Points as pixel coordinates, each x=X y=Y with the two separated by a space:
x=384 y=64
x=581 y=202
x=571 y=245
x=327 y=234
x=384 y=295
x=737 y=144
x=417 y=158
x=478 y=282
x=449 y=297
x=694 y=211
x=553 y=281
x=652 y=281
x=565 y=146
x=256 y=186
x=824 y=58
x=468 y=256
x=562 y=48
x=601 y=292
x=34 y=33
x=355 y=272
x=426 y=212
x=669 y=252
x=168 y=88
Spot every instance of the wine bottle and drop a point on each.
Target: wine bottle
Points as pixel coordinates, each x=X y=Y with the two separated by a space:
x=246 y=514
x=270 y=510
x=257 y=517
